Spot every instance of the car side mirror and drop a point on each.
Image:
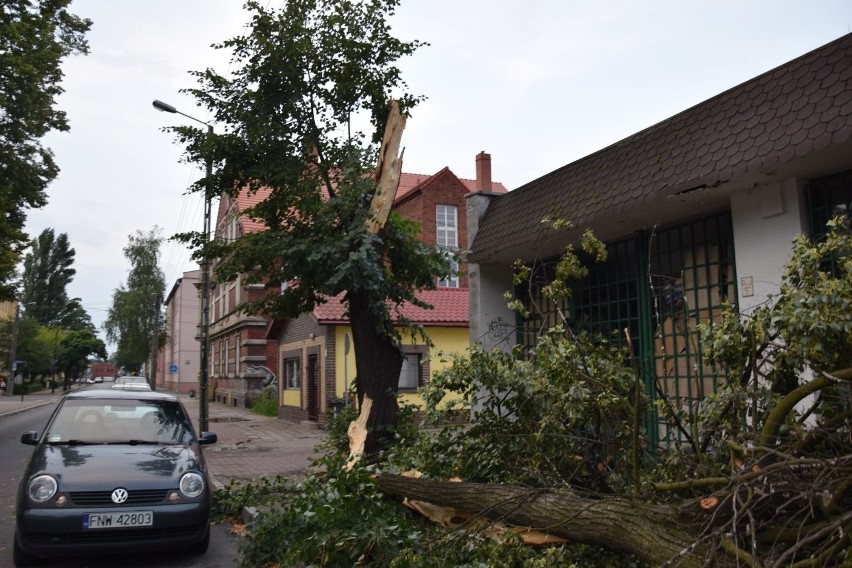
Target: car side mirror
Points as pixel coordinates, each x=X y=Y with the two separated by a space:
x=208 y=438
x=30 y=438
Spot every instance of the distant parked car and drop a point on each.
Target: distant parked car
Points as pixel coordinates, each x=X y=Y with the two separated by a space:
x=131 y=384
x=99 y=379
x=90 y=381
x=113 y=472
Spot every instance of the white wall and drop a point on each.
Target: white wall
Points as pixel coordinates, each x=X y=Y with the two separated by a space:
x=766 y=219
x=492 y=323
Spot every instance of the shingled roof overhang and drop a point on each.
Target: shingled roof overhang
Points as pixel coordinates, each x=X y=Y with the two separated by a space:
x=795 y=120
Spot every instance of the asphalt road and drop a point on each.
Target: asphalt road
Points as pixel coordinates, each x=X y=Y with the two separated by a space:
x=223 y=551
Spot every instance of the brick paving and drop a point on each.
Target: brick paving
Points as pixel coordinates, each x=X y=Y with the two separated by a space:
x=252 y=446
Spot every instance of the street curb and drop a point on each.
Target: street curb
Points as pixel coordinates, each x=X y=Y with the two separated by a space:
x=20 y=410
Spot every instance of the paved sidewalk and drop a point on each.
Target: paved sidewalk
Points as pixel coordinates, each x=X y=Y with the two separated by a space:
x=249 y=446
x=10 y=405
x=252 y=446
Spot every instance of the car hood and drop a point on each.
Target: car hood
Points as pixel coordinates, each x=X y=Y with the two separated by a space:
x=99 y=466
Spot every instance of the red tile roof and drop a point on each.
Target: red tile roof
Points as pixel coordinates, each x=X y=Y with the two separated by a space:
x=407 y=184
x=411 y=182
x=450 y=309
x=246 y=200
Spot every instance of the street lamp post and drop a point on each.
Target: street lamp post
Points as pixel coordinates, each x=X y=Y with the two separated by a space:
x=205 y=282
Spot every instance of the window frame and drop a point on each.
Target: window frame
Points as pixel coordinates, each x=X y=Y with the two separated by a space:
x=292 y=364
x=447 y=238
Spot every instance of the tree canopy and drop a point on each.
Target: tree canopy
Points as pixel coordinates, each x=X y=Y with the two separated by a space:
x=303 y=116
x=129 y=321
x=76 y=349
x=35 y=35
x=48 y=270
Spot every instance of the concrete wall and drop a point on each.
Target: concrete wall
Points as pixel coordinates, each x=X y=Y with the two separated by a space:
x=766 y=219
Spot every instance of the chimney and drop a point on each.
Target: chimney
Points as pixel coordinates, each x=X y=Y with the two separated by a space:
x=483 y=172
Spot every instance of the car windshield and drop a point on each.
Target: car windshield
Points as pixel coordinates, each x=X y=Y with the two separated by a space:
x=105 y=421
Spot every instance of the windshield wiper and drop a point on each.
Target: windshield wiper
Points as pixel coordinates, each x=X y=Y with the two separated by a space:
x=71 y=443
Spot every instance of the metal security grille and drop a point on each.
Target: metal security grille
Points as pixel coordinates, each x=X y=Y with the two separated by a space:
x=692 y=276
x=827 y=198
x=659 y=286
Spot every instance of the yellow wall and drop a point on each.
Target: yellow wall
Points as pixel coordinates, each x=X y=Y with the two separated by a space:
x=295 y=397
x=446 y=340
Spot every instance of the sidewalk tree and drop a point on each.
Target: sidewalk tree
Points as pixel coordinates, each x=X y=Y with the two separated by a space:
x=32 y=347
x=35 y=35
x=128 y=322
x=47 y=272
x=303 y=116
x=75 y=349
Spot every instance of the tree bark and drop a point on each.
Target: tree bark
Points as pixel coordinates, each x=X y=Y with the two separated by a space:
x=649 y=531
x=378 y=362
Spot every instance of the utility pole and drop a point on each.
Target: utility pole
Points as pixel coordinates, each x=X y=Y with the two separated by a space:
x=155 y=342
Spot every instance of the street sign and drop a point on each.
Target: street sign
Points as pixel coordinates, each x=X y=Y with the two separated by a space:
x=173 y=368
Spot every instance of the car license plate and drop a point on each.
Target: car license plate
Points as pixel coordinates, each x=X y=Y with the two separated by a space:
x=118 y=520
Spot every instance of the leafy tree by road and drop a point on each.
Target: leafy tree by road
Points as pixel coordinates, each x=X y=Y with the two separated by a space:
x=128 y=322
x=35 y=35
x=303 y=116
x=49 y=315
x=75 y=350
x=48 y=270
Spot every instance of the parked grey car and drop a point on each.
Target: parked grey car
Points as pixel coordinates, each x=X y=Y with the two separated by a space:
x=113 y=472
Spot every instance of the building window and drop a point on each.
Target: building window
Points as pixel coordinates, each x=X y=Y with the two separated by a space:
x=409 y=376
x=222 y=356
x=291 y=374
x=447 y=238
x=237 y=354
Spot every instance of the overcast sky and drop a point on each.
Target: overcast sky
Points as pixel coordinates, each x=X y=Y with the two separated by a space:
x=536 y=83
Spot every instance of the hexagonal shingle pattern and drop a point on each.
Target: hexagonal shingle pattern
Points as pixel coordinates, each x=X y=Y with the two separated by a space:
x=800 y=107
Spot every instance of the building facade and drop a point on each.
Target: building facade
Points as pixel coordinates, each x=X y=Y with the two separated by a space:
x=697 y=212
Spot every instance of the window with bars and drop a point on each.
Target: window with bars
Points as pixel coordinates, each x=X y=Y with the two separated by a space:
x=658 y=286
x=827 y=198
x=447 y=237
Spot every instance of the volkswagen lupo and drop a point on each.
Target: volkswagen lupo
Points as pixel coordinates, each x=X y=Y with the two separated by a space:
x=113 y=472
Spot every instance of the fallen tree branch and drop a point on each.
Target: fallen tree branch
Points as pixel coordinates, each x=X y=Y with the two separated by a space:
x=652 y=532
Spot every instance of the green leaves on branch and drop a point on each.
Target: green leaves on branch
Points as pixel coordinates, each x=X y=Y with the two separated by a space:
x=35 y=35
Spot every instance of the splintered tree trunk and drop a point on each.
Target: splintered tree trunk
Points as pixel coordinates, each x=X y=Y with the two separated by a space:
x=377 y=364
x=377 y=360
x=651 y=532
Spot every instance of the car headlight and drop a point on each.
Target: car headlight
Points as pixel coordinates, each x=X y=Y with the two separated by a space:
x=41 y=488
x=192 y=484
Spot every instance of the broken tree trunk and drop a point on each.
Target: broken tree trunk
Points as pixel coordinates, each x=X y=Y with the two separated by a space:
x=387 y=170
x=378 y=361
x=649 y=531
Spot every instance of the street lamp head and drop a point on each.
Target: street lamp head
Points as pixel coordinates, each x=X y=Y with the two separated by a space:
x=160 y=105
